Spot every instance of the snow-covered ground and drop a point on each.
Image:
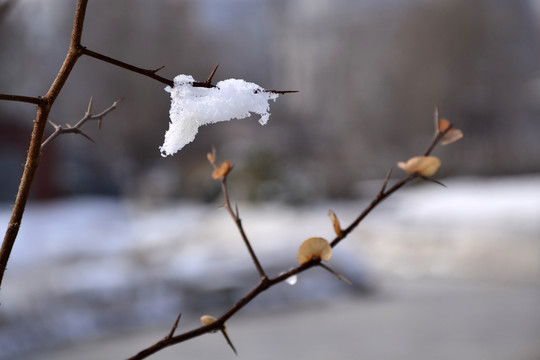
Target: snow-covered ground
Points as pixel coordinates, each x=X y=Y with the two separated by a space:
x=86 y=267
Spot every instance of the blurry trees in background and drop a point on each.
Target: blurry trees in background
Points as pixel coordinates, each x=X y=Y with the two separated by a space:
x=369 y=73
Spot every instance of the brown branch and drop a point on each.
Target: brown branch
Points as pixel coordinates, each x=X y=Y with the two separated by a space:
x=146 y=72
x=238 y=222
x=265 y=283
x=34 y=150
x=27 y=99
x=152 y=73
x=75 y=129
x=383 y=193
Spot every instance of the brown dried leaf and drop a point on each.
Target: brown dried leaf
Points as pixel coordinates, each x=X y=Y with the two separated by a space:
x=335 y=223
x=314 y=247
x=443 y=125
x=423 y=165
x=222 y=170
x=452 y=135
x=210 y=158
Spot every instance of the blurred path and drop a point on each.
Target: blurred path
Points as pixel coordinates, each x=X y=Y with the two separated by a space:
x=417 y=320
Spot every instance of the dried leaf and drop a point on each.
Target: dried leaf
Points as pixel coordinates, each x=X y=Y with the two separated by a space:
x=222 y=170
x=452 y=135
x=210 y=158
x=207 y=319
x=443 y=125
x=335 y=223
x=314 y=247
x=423 y=165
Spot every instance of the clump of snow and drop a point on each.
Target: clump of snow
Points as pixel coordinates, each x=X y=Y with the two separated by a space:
x=192 y=107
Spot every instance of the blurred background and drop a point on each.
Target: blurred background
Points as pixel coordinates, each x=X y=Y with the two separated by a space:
x=117 y=239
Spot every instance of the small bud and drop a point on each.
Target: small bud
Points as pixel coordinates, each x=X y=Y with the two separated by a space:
x=207 y=319
x=314 y=247
x=423 y=165
x=222 y=170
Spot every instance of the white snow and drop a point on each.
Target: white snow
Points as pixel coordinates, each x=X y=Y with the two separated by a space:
x=192 y=107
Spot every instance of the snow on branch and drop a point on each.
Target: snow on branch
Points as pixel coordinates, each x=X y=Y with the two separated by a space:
x=192 y=107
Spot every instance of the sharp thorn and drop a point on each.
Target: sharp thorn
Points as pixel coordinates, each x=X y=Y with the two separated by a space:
x=156 y=70
x=171 y=333
x=209 y=80
x=386 y=179
x=90 y=106
x=224 y=332
x=338 y=275
x=86 y=136
x=433 y=181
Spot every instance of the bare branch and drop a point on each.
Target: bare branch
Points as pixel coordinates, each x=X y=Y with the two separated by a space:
x=27 y=99
x=76 y=129
x=238 y=223
x=146 y=72
x=152 y=73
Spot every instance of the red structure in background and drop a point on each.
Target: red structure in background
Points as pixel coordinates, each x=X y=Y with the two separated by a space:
x=14 y=140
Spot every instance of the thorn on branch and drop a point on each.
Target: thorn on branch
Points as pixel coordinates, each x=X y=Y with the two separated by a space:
x=281 y=91
x=157 y=69
x=171 y=333
x=338 y=275
x=80 y=132
x=89 y=110
x=224 y=332
x=76 y=129
x=386 y=179
x=209 y=80
x=432 y=180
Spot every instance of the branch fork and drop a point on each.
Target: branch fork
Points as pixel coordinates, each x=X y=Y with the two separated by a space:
x=76 y=129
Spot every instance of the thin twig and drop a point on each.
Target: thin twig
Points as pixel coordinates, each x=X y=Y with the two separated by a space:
x=146 y=72
x=76 y=129
x=152 y=73
x=238 y=223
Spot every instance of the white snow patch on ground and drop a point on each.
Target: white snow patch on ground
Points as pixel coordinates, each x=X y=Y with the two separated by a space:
x=85 y=256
